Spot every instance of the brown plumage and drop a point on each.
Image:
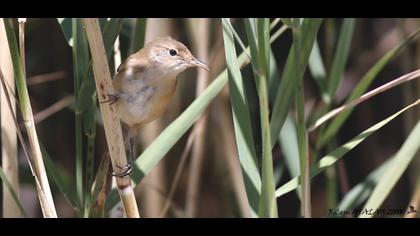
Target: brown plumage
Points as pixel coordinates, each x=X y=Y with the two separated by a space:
x=146 y=81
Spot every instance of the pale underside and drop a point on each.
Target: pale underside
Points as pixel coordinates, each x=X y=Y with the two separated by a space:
x=141 y=97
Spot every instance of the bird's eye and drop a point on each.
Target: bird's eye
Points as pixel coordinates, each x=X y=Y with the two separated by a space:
x=172 y=52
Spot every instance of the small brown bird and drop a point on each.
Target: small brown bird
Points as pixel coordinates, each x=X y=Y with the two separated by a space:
x=146 y=81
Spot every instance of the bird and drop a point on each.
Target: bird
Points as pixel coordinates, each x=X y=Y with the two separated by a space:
x=145 y=83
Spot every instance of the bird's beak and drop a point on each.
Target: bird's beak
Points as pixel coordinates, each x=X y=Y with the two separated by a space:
x=196 y=62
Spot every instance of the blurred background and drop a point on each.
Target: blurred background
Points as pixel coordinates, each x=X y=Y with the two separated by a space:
x=210 y=184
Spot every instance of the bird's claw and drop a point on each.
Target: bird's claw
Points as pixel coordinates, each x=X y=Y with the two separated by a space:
x=126 y=171
x=112 y=98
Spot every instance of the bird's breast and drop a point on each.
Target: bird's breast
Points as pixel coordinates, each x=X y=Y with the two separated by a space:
x=142 y=101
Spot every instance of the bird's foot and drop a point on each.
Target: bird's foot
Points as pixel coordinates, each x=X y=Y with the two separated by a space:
x=125 y=171
x=112 y=98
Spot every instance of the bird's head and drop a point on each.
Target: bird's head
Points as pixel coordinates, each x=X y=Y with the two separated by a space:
x=172 y=56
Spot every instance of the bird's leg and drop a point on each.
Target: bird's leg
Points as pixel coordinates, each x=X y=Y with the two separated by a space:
x=126 y=170
x=130 y=149
x=130 y=134
x=112 y=98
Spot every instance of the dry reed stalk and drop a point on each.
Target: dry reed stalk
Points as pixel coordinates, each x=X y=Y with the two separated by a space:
x=41 y=179
x=151 y=199
x=116 y=211
x=39 y=79
x=8 y=132
x=178 y=172
x=54 y=108
x=110 y=116
x=200 y=31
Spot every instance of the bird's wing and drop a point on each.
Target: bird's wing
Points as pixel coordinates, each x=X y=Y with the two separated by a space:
x=136 y=63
